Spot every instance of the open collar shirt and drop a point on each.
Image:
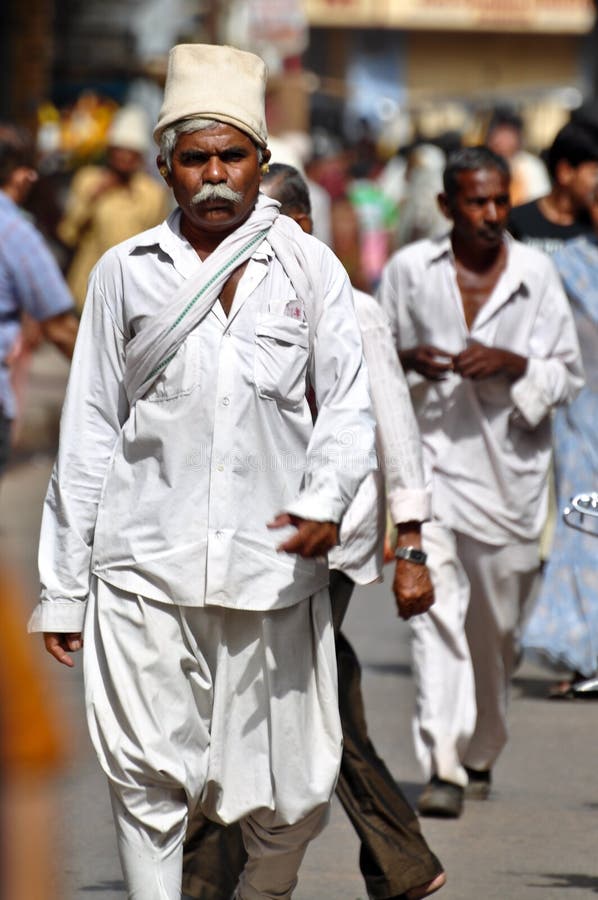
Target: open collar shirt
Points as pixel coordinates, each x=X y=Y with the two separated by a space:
x=486 y=442
x=170 y=499
x=30 y=281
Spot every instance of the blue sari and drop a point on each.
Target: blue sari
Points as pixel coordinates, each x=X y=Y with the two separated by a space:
x=563 y=627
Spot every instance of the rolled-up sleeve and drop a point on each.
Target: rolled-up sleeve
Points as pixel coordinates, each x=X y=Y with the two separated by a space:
x=554 y=373
x=341 y=450
x=94 y=410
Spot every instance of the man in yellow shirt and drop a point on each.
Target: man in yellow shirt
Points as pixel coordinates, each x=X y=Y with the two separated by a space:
x=108 y=204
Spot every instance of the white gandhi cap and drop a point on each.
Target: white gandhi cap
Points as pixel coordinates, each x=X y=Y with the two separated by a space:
x=210 y=81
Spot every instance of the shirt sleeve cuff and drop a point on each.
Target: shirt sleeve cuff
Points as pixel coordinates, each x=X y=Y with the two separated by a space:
x=64 y=616
x=528 y=398
x=409 y=505
x=316 y=510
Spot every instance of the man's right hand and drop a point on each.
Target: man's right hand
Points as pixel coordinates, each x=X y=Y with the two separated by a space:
x=59 y=643
x=427 y=360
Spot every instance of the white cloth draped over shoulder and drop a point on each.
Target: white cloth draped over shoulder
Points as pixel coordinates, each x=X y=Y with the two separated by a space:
x=165 y=482
x=150 y=351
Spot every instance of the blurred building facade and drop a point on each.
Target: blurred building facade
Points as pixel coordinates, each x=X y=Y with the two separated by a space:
x=356 y=59
x=439 y=57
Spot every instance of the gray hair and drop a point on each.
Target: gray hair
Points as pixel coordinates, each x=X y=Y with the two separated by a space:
x=170 y=135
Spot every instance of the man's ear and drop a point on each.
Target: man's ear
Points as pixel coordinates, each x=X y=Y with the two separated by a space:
x=163 y=170
x=304 y=220
x=444 y=205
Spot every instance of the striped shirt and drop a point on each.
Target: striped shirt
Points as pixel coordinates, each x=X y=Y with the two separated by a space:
x=30 y=281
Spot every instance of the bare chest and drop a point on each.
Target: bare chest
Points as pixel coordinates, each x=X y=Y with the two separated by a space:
x=475 y=289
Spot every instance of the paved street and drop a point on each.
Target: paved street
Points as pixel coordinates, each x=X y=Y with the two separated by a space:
x=536 y=837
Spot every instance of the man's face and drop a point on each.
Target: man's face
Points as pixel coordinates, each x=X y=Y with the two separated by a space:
x=504 y=140
x=215 y=177
x=479 y=208
x=123 y=161
x=581 y=183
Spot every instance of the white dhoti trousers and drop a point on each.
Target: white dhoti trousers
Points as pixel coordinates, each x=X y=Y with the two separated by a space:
x=232 y=711
x=464 y=649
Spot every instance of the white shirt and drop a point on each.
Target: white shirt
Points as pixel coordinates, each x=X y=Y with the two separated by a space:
x=360 y=554
x=486 y=443
x=170 y=499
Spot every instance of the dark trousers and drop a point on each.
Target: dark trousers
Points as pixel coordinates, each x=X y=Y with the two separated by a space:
x=394 y=855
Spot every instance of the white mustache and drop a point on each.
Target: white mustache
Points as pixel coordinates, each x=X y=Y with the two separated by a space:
x=216 y=192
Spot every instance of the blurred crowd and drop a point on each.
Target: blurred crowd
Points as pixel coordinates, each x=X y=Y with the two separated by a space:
x=371 y=194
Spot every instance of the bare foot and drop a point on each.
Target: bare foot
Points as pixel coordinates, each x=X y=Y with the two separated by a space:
x=424 y=890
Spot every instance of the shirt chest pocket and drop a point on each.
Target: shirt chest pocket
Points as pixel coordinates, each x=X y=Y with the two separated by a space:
x=180 y=376
x=281 y=356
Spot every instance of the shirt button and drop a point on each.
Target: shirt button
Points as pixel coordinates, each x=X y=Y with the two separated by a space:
x=225 y=401
x=220 y=467
x=219 y=534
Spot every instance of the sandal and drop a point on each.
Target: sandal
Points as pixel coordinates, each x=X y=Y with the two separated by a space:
x=565 y=690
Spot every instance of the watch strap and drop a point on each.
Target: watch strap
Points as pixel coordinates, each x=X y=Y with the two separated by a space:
x=412 y=554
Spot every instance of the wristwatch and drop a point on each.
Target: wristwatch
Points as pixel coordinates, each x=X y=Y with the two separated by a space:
x=412 y=554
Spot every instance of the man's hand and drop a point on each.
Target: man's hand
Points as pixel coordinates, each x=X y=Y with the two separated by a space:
x=61 y=330
x=480 y=361
x=312 y=538
x=412 y=588
x=427 y=360
x=58 y=643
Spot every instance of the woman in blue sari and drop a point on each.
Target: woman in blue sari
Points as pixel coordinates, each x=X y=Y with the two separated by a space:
x=563 y=627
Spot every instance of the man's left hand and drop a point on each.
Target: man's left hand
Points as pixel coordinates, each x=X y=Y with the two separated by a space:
x=480 y=361
x=412 y=588
x=312 y=538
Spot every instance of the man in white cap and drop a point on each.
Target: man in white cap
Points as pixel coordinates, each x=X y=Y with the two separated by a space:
x=194 y=500
x=110 y=203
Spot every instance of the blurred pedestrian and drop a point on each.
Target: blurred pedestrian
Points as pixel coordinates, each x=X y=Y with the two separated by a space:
x=563 y=627
x=107 y=204
x=419 y=213
x=529 y=178
x=394 y=858
x=561 y=214
x=376 y=218
x=484 y=331
x=194 y=501
x=30 y=280
x=555 y=218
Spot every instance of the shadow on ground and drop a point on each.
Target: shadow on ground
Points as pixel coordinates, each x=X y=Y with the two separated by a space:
x=403 y=670
x=565 y=880
x=533 y=688
x=104 y=886
x=411 y=790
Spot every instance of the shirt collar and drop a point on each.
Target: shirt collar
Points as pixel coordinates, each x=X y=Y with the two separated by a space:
x=168 y=237
x=517 y=274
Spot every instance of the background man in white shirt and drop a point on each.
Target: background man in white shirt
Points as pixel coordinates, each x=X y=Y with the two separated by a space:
x=484 y=331
x=395 y=859
x=194 y=500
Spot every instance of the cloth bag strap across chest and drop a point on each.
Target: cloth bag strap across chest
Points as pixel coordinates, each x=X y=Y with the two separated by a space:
x=150 y=351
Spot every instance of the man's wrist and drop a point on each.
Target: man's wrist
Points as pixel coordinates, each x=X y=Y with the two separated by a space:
x=412 y=554
x=409 y=534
